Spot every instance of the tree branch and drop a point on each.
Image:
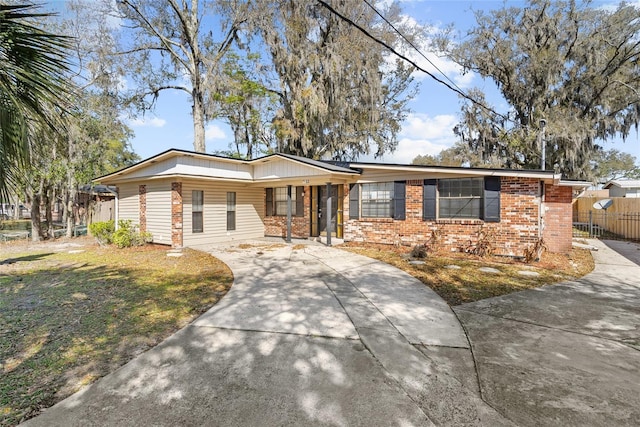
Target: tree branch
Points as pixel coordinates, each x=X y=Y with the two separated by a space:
x=169 y=44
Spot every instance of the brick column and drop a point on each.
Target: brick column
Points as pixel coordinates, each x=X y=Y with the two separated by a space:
x=142 y=192
x=176 y=214
x=558 y=218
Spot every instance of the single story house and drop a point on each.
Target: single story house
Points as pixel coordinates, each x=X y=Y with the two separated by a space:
x=623 y=188
x=188 y=199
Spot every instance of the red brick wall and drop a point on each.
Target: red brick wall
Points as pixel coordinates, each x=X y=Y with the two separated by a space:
x=142 y=192
x=176 y=214
x=557 y=218
x=518 y=227
x=300 y=225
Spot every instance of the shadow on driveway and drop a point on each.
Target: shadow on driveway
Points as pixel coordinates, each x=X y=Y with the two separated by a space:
x=566 y=354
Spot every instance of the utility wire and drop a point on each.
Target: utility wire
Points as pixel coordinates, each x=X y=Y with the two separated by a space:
x=405 y=58
x=410 y=43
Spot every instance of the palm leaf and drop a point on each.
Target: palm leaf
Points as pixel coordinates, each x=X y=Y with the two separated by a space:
x=33 y=87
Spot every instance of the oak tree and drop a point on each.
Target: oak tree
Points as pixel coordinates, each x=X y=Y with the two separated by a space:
x=574 y=66
x=341 y=94
x=177 y=45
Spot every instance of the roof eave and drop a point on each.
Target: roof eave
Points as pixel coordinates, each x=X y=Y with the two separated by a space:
x=551 y=175
x=574 y=184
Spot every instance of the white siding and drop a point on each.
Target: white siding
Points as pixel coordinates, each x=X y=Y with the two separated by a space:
x=249 y=213
x=188 y=165
x=159 y=211
x=129 y=203
x=213 y=168
x=283 y=168
x=162 y=167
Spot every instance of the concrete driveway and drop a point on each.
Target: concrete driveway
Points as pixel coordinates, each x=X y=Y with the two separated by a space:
x=307 y=335
x=567 y=354
x=310 y=335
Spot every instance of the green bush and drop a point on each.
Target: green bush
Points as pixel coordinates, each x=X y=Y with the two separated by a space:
x=127 y=235
x=103 y=231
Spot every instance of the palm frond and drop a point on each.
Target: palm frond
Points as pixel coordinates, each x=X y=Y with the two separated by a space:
x=33 y=86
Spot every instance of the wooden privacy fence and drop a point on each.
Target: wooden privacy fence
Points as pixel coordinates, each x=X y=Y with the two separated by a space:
x=101 y=210
x=620 y=221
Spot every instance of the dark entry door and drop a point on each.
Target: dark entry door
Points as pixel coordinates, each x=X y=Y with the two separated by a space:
x=322 y=209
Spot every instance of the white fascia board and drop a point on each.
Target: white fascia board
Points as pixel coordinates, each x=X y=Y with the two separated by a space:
x=177 y=177
x=543 y=175
x=575 y=184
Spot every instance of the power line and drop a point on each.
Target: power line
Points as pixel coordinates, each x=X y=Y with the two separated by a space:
x=405 y=58
x=410 y=43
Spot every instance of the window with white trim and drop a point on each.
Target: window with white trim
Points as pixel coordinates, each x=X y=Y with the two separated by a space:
x=280 y=201
x=377 y=200
x=231 y=210
x=197 y=205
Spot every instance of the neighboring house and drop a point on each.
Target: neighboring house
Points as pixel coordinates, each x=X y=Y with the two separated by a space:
x=193 y=199
x=623 y=188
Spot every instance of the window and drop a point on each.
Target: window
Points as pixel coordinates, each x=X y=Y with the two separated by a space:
x=460 y=198
x=377 y=200
x=281 y=201
x=277 y=201
x=197 y=198
x=231 y=211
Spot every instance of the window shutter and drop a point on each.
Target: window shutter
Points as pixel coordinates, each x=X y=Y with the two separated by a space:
x=429 y=202
x=354 y=201
x=269 y=202
x=299 y=201
x=492 y=199
x=399 y=199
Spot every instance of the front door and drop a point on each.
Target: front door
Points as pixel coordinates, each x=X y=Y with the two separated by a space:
x=319 y=219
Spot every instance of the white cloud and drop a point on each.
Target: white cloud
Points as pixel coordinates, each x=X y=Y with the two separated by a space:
x=212 y=132
x=422 y=134
x=419 y=125
x=154 y=122
x=433 y=61
x=122 y=84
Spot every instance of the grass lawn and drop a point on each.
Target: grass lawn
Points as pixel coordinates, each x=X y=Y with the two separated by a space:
x=467 y=283
x=70 y=315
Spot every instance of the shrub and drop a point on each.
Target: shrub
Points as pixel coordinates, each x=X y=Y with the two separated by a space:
x=534 y=253
x=103 y=231
x=127 y=235
x=419 y=251
x=422 y=250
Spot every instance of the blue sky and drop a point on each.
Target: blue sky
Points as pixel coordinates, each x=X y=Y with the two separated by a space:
x=427 y=130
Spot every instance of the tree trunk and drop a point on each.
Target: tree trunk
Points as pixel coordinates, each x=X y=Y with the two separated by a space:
x=36 y=226
x=198 y=121
x=48 y=208
x=71 y=215
x=16 y=208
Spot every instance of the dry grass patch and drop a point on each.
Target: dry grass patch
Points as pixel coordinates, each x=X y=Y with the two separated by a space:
x=265 y=246
x=67 y=319
x=467 y=284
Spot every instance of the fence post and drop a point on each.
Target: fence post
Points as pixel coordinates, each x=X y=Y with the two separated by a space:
x=590 y=223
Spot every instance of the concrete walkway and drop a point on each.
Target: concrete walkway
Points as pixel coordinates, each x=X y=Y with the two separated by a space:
x=310 y=335
x=567 y=354
x=307 y=335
